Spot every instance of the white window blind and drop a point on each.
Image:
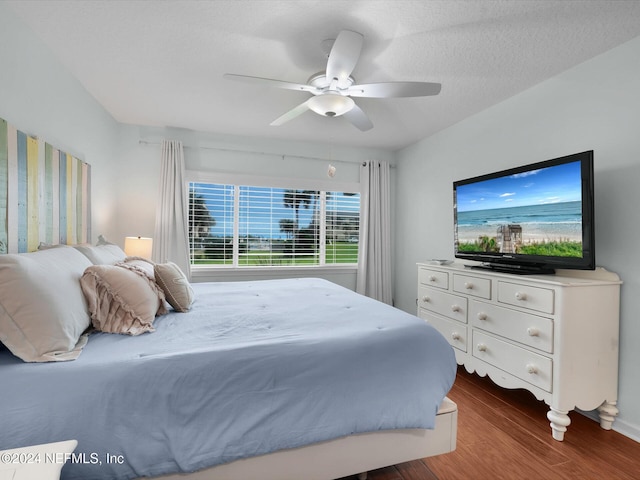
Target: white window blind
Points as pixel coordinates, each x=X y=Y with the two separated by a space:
x=205 y=199
x=342 y=227
x=240 y=225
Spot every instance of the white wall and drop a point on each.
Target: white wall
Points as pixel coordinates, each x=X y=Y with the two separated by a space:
x=595 y=105
x=40 y=97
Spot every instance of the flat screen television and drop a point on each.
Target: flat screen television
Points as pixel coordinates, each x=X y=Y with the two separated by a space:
x=529 y=219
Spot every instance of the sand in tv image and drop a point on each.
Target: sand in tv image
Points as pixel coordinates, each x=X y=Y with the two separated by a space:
x=538 y=212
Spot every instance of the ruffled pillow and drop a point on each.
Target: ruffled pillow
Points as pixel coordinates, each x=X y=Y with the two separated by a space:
x=122 y=298
x=141 y=264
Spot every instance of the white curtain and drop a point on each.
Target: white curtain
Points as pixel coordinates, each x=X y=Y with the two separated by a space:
x=170 y=240
x=374 y=255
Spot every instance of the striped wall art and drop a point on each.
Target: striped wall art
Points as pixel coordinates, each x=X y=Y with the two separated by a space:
x=44 y=194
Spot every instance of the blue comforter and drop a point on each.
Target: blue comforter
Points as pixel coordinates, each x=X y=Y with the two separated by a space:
x=254 y=367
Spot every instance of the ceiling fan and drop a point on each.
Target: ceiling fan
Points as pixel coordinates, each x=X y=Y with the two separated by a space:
x=332 y=89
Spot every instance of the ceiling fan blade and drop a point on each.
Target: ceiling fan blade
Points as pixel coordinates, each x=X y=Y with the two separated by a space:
x=343 y=56
x=358 y=118
x=291 y=114
x=272 y=83
x=394 y=89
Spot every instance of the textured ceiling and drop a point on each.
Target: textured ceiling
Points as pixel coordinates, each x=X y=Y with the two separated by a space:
x=161 y=63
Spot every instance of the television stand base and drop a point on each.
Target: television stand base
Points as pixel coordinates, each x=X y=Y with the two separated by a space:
x=514 y=269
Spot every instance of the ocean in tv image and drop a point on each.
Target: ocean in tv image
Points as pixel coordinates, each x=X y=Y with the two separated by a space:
x=538 y=212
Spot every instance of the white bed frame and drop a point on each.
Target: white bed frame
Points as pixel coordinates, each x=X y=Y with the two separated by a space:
x=355 y=454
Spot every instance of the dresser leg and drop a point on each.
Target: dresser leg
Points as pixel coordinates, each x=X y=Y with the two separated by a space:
x=608 y=413
x=559 y=423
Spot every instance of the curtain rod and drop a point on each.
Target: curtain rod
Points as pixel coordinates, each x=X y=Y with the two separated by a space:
x=237 y=150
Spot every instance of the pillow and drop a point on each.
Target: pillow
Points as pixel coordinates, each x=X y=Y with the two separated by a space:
x=43 y=313
x=46 y=246
x=142 y=264
x=103 y=241
x=44 y=461
x=175 y=285
x=107 y=254
x=121 y=299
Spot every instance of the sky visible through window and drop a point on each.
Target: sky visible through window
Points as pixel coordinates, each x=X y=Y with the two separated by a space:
x=262 y=208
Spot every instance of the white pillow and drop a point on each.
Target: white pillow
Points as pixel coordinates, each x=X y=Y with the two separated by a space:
x=107 y=254
x=41 y=462
x=43 y=313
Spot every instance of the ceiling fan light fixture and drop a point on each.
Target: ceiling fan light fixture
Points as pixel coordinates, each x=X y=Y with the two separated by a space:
x=331 y=104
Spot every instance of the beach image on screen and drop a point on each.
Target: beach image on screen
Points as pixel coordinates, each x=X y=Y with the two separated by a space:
x=538 y=212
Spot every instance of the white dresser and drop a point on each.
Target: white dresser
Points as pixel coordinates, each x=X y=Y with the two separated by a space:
x=554 y=335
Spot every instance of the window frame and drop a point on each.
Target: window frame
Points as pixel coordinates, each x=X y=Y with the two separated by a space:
x=236 y=180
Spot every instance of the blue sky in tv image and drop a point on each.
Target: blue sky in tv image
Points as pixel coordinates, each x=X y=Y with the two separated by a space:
x=546 y=202
x=560 y=183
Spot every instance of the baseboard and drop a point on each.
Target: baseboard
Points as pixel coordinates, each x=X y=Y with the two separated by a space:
x=624 y=428
x=627 y=429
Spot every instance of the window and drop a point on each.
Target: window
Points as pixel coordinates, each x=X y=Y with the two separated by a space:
x=252 y=226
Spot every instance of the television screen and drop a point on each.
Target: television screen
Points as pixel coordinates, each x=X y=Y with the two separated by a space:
x=535 y=218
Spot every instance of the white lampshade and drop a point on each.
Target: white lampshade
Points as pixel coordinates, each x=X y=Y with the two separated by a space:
x=138 y=247
x=331 y=104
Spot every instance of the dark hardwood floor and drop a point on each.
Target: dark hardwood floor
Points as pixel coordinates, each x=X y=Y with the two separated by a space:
x=504 y=434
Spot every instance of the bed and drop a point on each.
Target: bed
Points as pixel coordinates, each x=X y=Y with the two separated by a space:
x=296 y=378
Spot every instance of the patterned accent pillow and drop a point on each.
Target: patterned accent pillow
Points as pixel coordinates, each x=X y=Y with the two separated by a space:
x=175 y=285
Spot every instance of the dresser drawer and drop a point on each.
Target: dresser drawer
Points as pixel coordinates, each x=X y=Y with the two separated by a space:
x=454 y=332
x=446 y=304
x=525 y=296
x=476 y=286
x=433 y=278
x=525 y=328
x=519 y=362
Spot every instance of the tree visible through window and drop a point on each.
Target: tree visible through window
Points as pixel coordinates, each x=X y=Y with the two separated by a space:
x=237 y=225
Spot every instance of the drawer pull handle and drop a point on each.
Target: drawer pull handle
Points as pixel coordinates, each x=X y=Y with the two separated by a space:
x=455 y=308
x=482 y=347
x=468 y=285
x=426 y=299
x=533 y=331
x=433 y=278
x=521 y=296
x=455 y=336
x=482 y=316
x=532 y=369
